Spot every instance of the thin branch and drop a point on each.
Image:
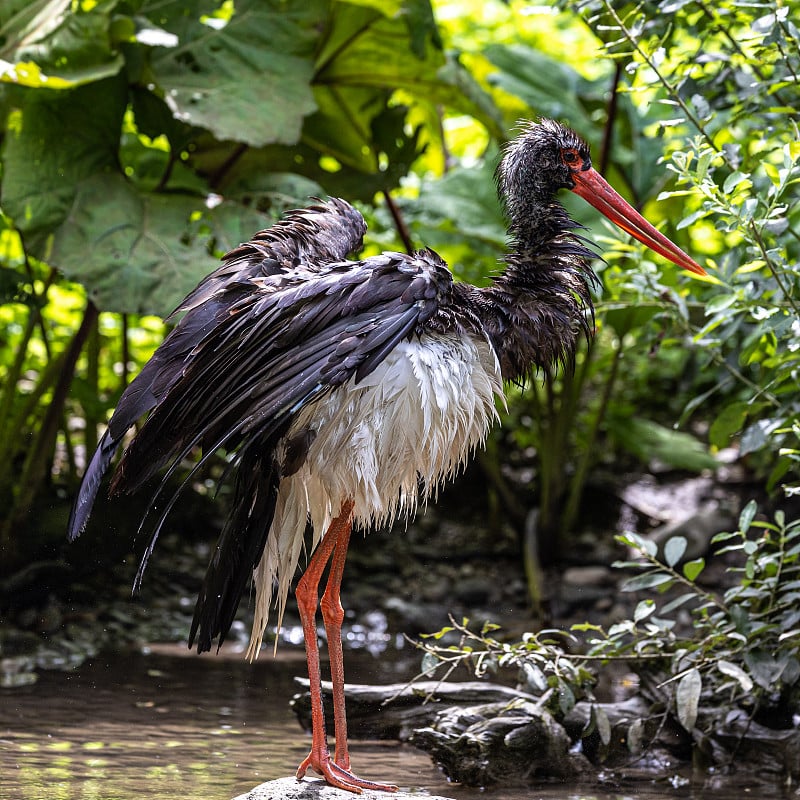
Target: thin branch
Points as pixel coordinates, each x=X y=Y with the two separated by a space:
x=399 y=223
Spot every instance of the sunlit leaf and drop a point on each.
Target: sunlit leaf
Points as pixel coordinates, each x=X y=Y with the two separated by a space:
x=747 y=516
x=691 y=569
x=534 y=676
x=735 y=671
x=687 y=698
x=643 y=610
x=674 y=549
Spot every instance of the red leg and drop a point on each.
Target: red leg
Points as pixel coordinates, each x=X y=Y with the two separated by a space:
x=333 y=616
x=333 y=547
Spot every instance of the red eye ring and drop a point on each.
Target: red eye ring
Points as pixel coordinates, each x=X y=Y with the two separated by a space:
x=570 y=157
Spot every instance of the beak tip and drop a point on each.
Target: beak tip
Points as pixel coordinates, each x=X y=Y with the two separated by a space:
x=694 y=267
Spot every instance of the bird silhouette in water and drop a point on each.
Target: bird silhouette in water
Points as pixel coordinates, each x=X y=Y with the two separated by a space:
x=346 y=391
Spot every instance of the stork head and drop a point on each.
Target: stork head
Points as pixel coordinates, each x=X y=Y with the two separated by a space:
x=545 y=157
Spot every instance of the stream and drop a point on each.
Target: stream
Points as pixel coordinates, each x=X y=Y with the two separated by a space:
x=167 y=725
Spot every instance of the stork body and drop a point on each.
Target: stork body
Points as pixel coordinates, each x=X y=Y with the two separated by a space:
x=347 y=391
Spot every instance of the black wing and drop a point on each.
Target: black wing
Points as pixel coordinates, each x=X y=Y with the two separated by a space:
x=314 y=236
x=241 y=364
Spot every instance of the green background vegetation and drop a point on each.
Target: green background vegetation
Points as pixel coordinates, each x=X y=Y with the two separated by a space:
x=142 y=140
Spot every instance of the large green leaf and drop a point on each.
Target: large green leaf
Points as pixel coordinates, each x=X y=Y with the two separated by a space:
x=57 y=39
x=141 y=253
x=246 y=80
x=42 y=165
x=551 y=88
x=387 y=152
x=624 y=318
x=648 y=440
x=369 y=50
x=465 y=198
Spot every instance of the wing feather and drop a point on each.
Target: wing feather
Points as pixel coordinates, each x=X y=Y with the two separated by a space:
x=261 y=338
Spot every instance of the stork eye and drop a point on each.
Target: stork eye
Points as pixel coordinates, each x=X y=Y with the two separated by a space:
x=571 y=157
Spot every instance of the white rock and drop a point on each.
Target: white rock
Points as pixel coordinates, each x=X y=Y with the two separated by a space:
x=316 y=789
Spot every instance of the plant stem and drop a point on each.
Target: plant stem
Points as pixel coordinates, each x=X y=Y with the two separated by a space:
x=399 y=223
x=588 y=454
x=33 y=472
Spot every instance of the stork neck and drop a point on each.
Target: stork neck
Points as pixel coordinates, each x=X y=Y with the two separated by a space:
x=537 y=233
x=541 y=302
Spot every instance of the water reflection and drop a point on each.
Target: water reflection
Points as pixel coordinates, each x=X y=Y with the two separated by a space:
x=170 y=727
x=166 y=727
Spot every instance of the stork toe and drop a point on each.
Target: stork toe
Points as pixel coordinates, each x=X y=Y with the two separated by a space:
x=337 y=776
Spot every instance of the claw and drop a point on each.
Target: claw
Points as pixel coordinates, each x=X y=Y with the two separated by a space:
x=339 y=776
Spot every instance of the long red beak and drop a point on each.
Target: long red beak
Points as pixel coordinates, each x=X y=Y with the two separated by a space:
x=595 y=189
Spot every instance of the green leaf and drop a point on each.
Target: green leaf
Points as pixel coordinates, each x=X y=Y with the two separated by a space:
x=648 y=440
x=601 y=722
x=727 y=423
x=691 y=569
x=764 y=668
x=733 y=180
x=26 y=73
x=643 y=610
x=430 y=661
x=42 y=167
x=364 y=57
x=678 y=602
x=534 y=676
x=734 y=671
x=747 y=516
x=566 y=697
x=674 y=550
x=637 y=542
x=248 y=80
x=635 y=736
x=623 y=318
x=137 y=253
x=550 y=87
x=687 y=698
x=646 y=581
x=60 y=45
x=467 y=195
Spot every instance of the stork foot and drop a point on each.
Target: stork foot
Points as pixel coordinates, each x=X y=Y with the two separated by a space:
x=338 y=776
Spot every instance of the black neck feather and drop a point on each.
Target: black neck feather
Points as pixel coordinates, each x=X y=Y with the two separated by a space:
x=540 y=305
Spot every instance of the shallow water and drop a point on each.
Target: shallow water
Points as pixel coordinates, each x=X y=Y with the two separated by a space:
x=166 y=727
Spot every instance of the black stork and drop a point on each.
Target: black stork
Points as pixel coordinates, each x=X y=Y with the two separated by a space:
x=345 y=391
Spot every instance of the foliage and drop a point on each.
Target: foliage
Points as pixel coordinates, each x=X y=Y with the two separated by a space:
x=221 y=99
x=743 y=646
x=189 y=128
x=729 y=75
x=745 y=643
x=182 y=143
x=541 y=658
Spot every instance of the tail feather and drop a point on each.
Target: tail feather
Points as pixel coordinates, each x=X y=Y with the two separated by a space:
x=240 y=545
x=90 y=485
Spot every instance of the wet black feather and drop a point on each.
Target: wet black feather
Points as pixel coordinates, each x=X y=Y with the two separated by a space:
x=286 y=318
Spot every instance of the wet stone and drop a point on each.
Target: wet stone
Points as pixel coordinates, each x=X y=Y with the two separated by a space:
x=312 y=789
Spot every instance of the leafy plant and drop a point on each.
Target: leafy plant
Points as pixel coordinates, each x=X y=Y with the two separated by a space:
x=541 y=659
x=188 y=127
x=728 y=75
x=740 y=649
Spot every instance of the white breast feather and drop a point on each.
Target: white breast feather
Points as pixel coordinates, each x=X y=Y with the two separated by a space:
x=417 y=416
